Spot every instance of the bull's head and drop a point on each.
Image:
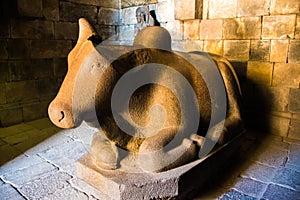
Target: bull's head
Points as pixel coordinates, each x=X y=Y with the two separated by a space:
x=61 y=108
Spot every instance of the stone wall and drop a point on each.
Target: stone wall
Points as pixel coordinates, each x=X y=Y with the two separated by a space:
x=35 y=38
x=262 y=40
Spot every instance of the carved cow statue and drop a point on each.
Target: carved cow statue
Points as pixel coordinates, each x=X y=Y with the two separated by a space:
x=95 y=70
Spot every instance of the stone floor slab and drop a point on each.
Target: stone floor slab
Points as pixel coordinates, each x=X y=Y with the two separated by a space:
x=277 y=192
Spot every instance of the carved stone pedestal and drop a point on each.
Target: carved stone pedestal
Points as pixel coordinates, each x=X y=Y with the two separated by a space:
x=181 y=183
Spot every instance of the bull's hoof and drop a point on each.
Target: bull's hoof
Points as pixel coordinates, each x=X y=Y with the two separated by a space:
x=104 y=154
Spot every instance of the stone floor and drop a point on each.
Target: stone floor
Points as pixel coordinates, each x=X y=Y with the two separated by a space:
x=38 y=162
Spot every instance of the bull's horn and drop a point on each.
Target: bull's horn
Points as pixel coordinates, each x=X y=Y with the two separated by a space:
x=85 y=30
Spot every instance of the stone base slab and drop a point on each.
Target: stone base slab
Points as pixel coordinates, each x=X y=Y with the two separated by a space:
x=180 y=183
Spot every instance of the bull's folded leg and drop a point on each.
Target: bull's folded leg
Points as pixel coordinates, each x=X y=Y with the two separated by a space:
x=155 y=157
x=103 y=152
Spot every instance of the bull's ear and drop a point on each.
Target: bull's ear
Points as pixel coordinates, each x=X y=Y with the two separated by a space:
x=85 y=30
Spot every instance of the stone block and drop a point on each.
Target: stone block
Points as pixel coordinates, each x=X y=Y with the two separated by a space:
x=42 y=68
x=214 y=46
x=236 y=50
x=278 y=27
x=277 y=192
x=233 y=194
x=294 y=132
x=71 y=12
x=106 y=32
x=193 y=45
x=9 y=192
x=66 y=30
x=21 y=91
x=129 y=16
x=279 y=50
x=294 y=51
x=185 y=10
x=250 y=187
x=175 y=28
x=286 y=75
x=11 y=116
x=2 y=94
x=4 y=71
x=260 y=72
x=166 y=11
x=19 y=48
x=32 y=29
x=51 y=9
x=50 y=48
x=294 y=103
x=278 y=125
x=241 y=70
x=242 y=28
x=211 y=29
x=131 y=3
x=108 y=16
x=191 y=29
x=3 y=49
x=260 y=50
x=33 y=8
x=222 y=9
x=20 y=70
x=47 y=87
x=260 y=172
x=287 y=178
x=284 y=7
x=5 y=28
x=126 y=33
x=60 y=66
x=35 y=111
x=297 y=31
x=253 y=8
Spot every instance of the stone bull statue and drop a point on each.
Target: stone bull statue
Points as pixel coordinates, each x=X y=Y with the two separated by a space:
x=153 y=116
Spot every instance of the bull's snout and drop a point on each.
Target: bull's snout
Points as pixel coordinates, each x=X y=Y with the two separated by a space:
x=61 y=114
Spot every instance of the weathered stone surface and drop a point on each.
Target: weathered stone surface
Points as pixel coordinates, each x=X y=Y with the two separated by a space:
x=19 y=49
x=191 y=29
x=8 y=192
x=241 y=70
x=284 y=6
x=45 y=186
x=3 y=49
x=50 y=48
x=175 y=28
x=250 y=187
x=242 y=28
x=5 y=28
x=294 y=51
x=65 y=30
x=166 y=11
x=71 y=12
x=286 y=75
x=272 y=156
x=288 y=178
x=279 y=125
x=8 y=118
x=60 y=67
x=20 y=91
x=297 y=31
x=277 y=192
x=192 y=45
x=235 y=50
x=3 y=71
x=279 y=50
x=260 y=72
x=214 y=46
x=20 y=70
x=51 y=9
x=2 y=94
x=278 y=27
x=211 y=29
x=185 y=10
x=260 y=50
x=108 y=16
x=35 y=111
x=106 y=32
x=67 y=192
x=126 y=33
x=42 y=68
x=130 y=3
x=47 y=87
x=233 y=194
x=294 y=130
x=222 y=9
x=32 y=9
x=294 y=103
x=129 y=16
x=32 y=29
x=253 y=8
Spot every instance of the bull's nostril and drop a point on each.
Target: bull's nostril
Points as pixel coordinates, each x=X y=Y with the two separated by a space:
x=62 y=116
